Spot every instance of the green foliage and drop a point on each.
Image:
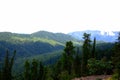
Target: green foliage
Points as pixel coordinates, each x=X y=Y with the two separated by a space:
x=0 y=75
x=41 y=72
x=64 y=76
x=59 y=37
x=32 y=44
x=99 y=66
x=86 y=53
x=115 y=76
x=64 y=69
x=42 y=36
x=67 y=57
x=94 y=49
x=27 y=71
x=69 y=48
x=116 y=57
x=34 y=70
x=77 y=64
x=104 y=50
x=57 y=68
x=71 y=61
x=7 y=68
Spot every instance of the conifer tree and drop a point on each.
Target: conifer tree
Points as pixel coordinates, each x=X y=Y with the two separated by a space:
x=86 y=53
x=68 y=57
x=7 y=68
x=11 y=64
x=1 y=75
x=77 y=64
x=94 y=49
x=57 y=69
x=27 y=71
x=41 y=72
x=34 y=70
x=116 y=58
x=5 y=74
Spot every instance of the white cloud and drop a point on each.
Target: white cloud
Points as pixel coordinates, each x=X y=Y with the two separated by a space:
x=26 y=16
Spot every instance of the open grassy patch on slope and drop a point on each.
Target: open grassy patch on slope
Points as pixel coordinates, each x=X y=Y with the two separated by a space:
x=52 y=42
x=20 y=40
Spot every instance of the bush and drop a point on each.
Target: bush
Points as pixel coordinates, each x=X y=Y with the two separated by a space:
x=115 y=76
x=64 y=76
x=98 y=66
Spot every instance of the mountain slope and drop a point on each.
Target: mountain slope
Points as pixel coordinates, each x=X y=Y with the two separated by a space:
x=59 y=37
x=42 y=45
x=33 y=44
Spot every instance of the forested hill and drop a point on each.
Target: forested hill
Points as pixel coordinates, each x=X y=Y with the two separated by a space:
x=43 y=36
x=64 y=52
x=59 y=37
x=33 y=44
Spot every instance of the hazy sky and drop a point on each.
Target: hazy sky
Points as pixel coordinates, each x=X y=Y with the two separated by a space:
x=27 y=16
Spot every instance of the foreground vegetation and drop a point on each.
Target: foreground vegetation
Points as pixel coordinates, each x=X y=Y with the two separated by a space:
x=74 y=62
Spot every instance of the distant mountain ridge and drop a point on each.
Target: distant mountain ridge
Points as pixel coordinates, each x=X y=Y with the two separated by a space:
x=33 y=44
x=60 y=37
x=106 y=36
x=44 y=42
x=42 y=45
x=37 y=36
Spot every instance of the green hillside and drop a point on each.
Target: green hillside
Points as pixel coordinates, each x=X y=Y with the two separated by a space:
x=33 y=44
x=59 y=37
x=42 y=45
x=62 y=60
x=46 y=58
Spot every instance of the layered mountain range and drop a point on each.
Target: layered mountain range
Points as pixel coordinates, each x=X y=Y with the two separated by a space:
x=44 y=42
x=33 y=44
x=45 y=46
x=106 y=36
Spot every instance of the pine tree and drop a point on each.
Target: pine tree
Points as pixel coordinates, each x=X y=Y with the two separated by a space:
x=11 y=64
x=27 y=71
x=7 y=69
x=1 y=75
x=86 y=53
x=41 y=72
x=68 y=57
x=94 y=49
x=77 y=64
x=57 y=69
x=34 y=70
x=5 y=74
x=116 y=58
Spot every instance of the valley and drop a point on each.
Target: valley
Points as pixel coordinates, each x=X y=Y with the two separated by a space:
x=49 y=48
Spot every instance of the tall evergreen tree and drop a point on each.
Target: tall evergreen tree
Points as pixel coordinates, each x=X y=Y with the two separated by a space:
x=56 y=70
x=77 y=64
x=11 y=64
x=86 y=53
x=68 y=57
x=34 y=70
x=7 y=68
x=94 y=49
x=1 y=75
x=5 y=72
x=41 y=72
x=27 y=71
x=116 y=58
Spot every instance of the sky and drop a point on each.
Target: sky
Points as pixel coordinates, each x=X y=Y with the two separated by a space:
x=28 y=16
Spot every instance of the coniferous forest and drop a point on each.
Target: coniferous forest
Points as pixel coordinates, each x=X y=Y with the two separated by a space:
x=73 y=61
